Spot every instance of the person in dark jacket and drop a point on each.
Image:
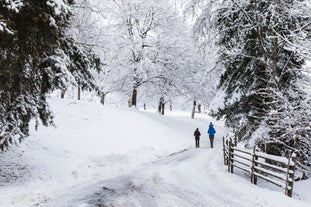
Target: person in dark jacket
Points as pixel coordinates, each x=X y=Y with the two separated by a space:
x=197 y=135
x=211 y=132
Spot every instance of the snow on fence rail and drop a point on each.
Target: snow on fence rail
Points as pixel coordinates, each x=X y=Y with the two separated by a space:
x=274 y=169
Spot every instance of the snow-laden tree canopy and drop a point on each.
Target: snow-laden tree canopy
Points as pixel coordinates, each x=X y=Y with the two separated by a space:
x=146 y=47
x=264 y=47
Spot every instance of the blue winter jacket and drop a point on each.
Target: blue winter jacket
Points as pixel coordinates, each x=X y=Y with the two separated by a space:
x=211 y=131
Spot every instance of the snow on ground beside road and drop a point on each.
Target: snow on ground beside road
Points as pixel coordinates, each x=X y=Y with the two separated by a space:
x=119 y=156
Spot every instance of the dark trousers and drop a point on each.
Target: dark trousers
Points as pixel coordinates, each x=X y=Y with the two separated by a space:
x=197 y=142
x=211 y=139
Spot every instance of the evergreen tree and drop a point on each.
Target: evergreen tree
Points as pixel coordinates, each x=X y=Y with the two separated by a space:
x=36 y=57
x=256 y=59
x=260 y=48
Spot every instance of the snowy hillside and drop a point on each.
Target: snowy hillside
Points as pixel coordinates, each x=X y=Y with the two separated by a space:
x=103 y=156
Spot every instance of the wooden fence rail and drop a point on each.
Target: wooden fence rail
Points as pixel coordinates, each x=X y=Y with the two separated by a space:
x=274 y=169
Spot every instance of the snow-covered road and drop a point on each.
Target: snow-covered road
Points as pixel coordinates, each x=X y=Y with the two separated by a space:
x=189 y=178
x=114 y=157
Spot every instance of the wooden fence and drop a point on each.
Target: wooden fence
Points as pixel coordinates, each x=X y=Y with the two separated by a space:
x=274 y=169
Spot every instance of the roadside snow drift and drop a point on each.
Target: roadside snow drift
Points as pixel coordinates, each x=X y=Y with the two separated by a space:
x=103 y=156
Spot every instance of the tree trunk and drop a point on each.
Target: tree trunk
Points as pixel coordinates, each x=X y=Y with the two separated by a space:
x=193 y=109
x=62 y=95
x=160 y=105
x=79 y=92
x=199 y=108
x=134 y=97
x=102 y=98
x=162 y=108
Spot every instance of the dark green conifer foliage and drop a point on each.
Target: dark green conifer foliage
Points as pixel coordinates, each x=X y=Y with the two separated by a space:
x=35 y=58
x=263 y=71
x=260 y=62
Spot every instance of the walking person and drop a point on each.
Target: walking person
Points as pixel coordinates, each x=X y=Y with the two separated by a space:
x=211 y=132
x=197 y=135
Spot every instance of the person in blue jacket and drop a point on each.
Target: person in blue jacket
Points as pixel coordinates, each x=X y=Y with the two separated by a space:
x=211 y=132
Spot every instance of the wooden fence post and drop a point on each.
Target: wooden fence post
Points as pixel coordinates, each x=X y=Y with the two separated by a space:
x=224 y=148
x=290 y=175
x=230 y=156
x=255 y=162
x=254 y=158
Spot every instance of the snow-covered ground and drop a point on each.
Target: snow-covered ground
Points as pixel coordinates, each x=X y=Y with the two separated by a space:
x=104 y=156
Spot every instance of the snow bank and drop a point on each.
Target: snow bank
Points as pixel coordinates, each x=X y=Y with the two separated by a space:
x=92 y=144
